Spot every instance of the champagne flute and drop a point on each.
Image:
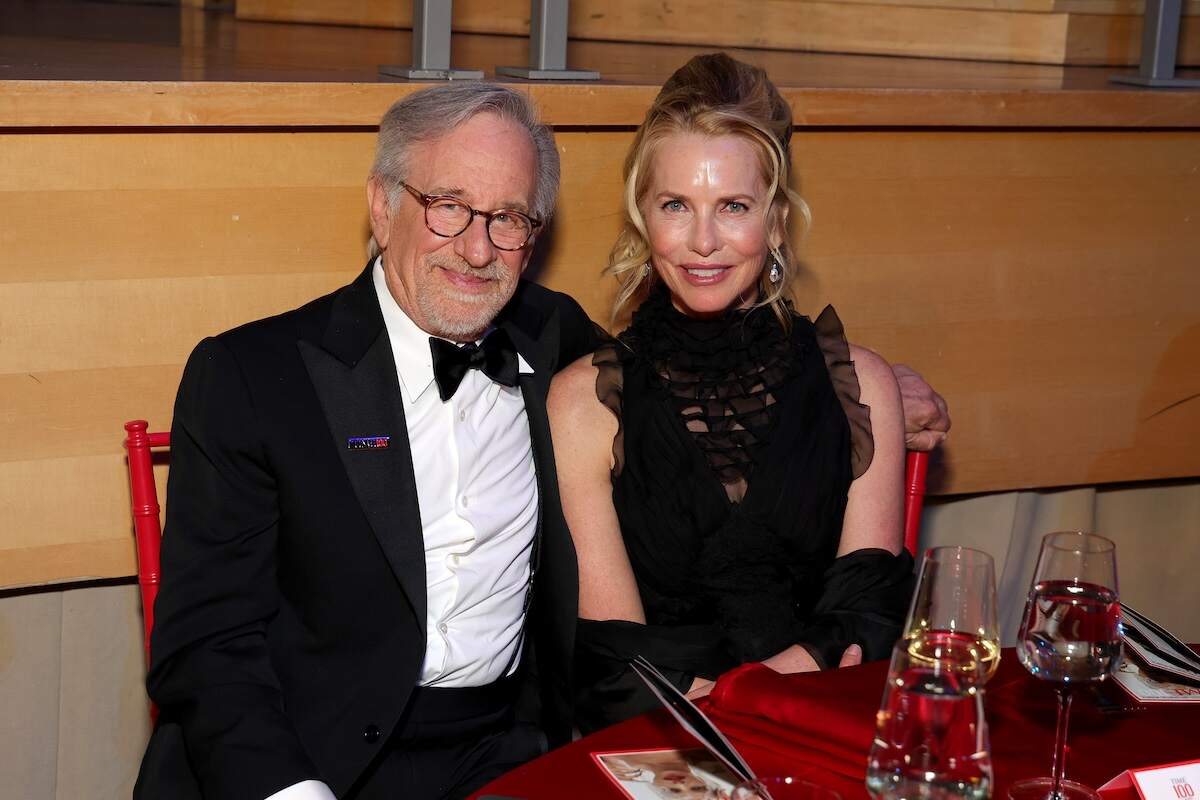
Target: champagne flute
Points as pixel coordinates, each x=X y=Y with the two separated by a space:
x=1071 y=634
x=931 y=737
x=952 y=618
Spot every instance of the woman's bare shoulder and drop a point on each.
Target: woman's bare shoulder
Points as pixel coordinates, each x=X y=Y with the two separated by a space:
x=874 y=372
x=574 y=383
x=573 y=400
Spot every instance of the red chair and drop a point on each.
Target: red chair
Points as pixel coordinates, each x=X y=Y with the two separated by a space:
x=916 y=464
x=144 y=498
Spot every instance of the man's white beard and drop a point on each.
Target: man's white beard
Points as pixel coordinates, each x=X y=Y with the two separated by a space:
x=443 y=309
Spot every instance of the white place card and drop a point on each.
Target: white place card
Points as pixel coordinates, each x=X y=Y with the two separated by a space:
x=1169 y=782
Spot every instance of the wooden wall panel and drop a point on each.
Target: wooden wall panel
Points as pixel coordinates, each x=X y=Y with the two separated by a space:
x=919 y=98
x=67 y=413
x=122 y=323
x=66 y=519
x=1034 y=31
x=1046 y=282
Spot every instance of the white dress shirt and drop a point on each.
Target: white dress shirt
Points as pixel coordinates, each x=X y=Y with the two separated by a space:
x=477 y=492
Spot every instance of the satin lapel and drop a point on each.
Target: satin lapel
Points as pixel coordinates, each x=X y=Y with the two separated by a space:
x=539 y=354
x=362 y=399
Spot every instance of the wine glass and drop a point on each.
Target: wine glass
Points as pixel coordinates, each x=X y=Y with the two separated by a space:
x=931 y=738
x=952 y=618
x=1071 y=634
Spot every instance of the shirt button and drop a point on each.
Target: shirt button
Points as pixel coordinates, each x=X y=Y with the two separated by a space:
x=443 y=627
x=464 y=501
x=462 y=415
x=371 y=734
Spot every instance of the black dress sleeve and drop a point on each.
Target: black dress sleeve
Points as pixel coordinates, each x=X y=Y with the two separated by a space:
x=607 y=690
x=831 y=338
x=864 y=602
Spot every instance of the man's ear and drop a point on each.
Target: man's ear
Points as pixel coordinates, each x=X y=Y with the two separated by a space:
x=380 y=210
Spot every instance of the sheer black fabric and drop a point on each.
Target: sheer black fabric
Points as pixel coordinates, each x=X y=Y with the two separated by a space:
x=722 y=377
x=737 y=444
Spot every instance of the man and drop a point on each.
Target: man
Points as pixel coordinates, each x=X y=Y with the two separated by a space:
x=368 y=589
x=351 y=544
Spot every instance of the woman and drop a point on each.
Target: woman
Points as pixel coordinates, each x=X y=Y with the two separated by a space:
x=729 y=497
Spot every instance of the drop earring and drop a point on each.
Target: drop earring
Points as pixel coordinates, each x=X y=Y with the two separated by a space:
x=775 y=274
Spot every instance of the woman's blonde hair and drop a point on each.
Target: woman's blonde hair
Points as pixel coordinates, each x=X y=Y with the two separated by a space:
x=712 y=95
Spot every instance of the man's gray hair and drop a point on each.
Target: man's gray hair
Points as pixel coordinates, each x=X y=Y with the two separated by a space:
x=432 y=113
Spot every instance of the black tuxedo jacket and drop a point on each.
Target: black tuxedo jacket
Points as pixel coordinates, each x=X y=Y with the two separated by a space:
x=290 y=627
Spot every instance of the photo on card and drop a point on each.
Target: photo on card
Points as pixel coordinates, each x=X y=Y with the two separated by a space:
x=693 y=774
x=1145 y=687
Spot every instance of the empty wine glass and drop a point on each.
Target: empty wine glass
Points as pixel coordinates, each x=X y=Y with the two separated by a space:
x=930 y=736
x=953 y=612
x=1070 y=634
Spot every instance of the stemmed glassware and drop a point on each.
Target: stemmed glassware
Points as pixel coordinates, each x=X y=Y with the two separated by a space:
x=931 y=738
x=1071 y=634
x=953 y=613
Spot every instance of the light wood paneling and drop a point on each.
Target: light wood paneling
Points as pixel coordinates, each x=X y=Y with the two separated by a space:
x=1045 y=282
x=1036 y=31
x=69 y=324
x=184 y=232
x=53 y=415
x=185 y=68
x=65 y=519
x=36 y=104
x=94 y=161
x=476 y=16
x=1107 y=7
x=485 y=16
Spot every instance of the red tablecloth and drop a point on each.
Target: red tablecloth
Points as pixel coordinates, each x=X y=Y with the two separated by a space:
x=1105 y=737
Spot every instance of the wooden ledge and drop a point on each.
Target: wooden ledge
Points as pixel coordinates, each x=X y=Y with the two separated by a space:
x=152 y=104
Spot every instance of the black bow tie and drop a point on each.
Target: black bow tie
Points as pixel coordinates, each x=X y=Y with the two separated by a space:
x=496 y=357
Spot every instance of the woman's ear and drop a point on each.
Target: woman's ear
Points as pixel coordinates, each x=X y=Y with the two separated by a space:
x=777 y=225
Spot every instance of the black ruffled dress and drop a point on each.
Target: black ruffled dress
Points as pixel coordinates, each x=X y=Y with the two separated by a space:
x=736 y=447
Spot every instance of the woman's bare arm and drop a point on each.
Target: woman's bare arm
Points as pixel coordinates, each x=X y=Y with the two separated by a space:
x=875 y=503
x=874 y=510
x=583 y=430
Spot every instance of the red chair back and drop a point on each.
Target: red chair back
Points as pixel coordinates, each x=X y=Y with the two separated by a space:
x=144 y=500
x=915 y=466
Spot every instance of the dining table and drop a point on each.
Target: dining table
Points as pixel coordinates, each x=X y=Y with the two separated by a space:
x=818 y=727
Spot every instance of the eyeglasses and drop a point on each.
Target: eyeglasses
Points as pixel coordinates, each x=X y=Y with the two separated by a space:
x=449 y=216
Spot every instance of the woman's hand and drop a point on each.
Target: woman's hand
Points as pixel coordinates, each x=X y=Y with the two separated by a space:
x=700 y=688
x=797 y=659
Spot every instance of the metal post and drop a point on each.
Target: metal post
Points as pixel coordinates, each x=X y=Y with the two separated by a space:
x=548 y=46
x=1160 y=43
x=431 y=46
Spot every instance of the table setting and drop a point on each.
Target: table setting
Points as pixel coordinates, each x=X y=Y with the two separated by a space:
x=950 y=715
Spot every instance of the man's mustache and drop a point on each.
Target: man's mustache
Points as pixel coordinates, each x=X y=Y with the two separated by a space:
x=496 y=269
